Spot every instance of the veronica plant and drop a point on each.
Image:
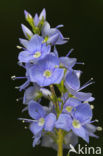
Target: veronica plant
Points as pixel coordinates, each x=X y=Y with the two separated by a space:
x=68 y=114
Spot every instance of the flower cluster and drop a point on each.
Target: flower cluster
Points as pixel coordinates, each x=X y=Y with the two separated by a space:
x=68 y=114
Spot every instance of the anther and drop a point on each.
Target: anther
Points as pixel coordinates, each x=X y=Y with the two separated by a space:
x=13 y=77
x=17 y=100
x=25 y=127
x=96 y=120
x=82 y=63
x=16 y=87
x=18 y=47
x=99 y=128
x=92 y=106
x=92 y=78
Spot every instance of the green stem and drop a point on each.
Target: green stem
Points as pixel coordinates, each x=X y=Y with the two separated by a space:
x=68 y=154
x=60 y=143
x=54 y=98
x=60 y=135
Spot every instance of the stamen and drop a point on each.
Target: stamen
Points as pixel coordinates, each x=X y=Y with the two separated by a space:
x=69 y=52
x=14 y=77
x=94 y=121
x=82 y=63
x=60 y=26
x=90 y=82
x=17 y=100
x=99 y=128
x=18 y=47
x=26 y=120
x=17 y=87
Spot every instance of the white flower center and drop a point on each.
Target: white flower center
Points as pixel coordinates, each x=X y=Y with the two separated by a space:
x=76 y=124
x=41 y=122
x=47 y=73
x=37 y=54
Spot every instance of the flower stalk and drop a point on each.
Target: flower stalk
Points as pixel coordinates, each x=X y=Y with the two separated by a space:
x=60 y=143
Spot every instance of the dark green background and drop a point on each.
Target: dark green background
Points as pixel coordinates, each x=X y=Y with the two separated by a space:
x=83 y=20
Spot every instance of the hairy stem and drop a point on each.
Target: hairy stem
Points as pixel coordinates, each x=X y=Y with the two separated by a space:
x=60 y=143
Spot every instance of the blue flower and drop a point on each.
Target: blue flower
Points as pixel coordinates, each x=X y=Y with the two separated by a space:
x=64 y=122
x=40 y=58
x=41 y=120
x=72 y=83
x=66 y=61
x=81 y=116
x=53 y=34
x=46 y=71
x=35 y=50
x=70 y=104
x=35 y=93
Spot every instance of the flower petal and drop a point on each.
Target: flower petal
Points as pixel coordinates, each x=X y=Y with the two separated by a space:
x=35 y=128
x=25 y=56
x=23 y=42
x=83 y=113
x=52 y=39
x=72 y=102
x=50 y=122
x=35 y=43
x=68 y=62
x=79 y=95
x=35 y=110
x=72 y=80
x=81 y=132
x=64 y=122
x=36 y=140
